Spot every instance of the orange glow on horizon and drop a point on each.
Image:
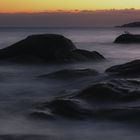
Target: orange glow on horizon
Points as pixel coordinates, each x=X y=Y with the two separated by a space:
x=31 y=6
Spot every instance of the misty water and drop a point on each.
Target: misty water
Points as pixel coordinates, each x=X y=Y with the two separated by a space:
x=20 y=87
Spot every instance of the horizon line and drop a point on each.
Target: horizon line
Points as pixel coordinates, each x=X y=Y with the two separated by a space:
x=70 y=11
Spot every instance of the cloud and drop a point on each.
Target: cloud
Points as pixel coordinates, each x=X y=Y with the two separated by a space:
x=71 y=18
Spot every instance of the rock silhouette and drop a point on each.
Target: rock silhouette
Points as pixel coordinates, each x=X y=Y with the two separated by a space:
x=132 y=24
x=46 y=48
x=127 y=38
x=98 y=101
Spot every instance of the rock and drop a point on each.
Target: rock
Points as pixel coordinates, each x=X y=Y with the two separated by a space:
x=46 y=48
x=110 y=91
x=111 y=99
x=127 y=38
x=68 y=110
x=43 y=47
x=62 y=108
x=66 y=74
x=128 y=69
x=84 y=55
x=132 y=24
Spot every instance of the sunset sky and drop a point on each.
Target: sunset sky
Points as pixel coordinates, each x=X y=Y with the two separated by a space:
x=61 y=13
x=45 y=5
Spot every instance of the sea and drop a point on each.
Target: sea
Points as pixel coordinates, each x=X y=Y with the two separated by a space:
x=21 y=89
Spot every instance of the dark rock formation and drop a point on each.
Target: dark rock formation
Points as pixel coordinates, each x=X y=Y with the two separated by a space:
x=47 y=48
x=111 y=91
x=101 y=100
x=84 y=55
x=128 y=69
x=64 y=108
x=127 y=38
x=132 y=24
x=125 y=114
x=66 y=74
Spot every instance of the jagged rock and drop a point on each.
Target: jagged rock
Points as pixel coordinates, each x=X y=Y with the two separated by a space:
x=127 y=38
x=46 y=48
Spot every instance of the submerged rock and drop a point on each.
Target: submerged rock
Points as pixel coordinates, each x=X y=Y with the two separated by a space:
x=98 y=101
x=125 y=114
x=128 y=69
x=127 y=38
x=66 y=74
x=111 y=91
x=84 y=55
x=61 y=108
x=46 y=48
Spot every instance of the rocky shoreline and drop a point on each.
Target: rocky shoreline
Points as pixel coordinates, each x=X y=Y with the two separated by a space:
x=110 y=97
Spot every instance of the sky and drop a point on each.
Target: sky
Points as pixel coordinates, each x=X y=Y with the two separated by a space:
x=68 y=12
x=11 y=6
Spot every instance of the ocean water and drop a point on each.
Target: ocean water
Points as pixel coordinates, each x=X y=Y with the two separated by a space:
x=20 y=87
x=99 y=39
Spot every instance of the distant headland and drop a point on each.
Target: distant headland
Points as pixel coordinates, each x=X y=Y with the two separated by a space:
x=131 y=25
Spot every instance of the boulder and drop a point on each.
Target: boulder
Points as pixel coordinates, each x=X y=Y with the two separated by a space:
x=128 y=69
x=46 y=48
x=84 y=55
x=128 y=38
